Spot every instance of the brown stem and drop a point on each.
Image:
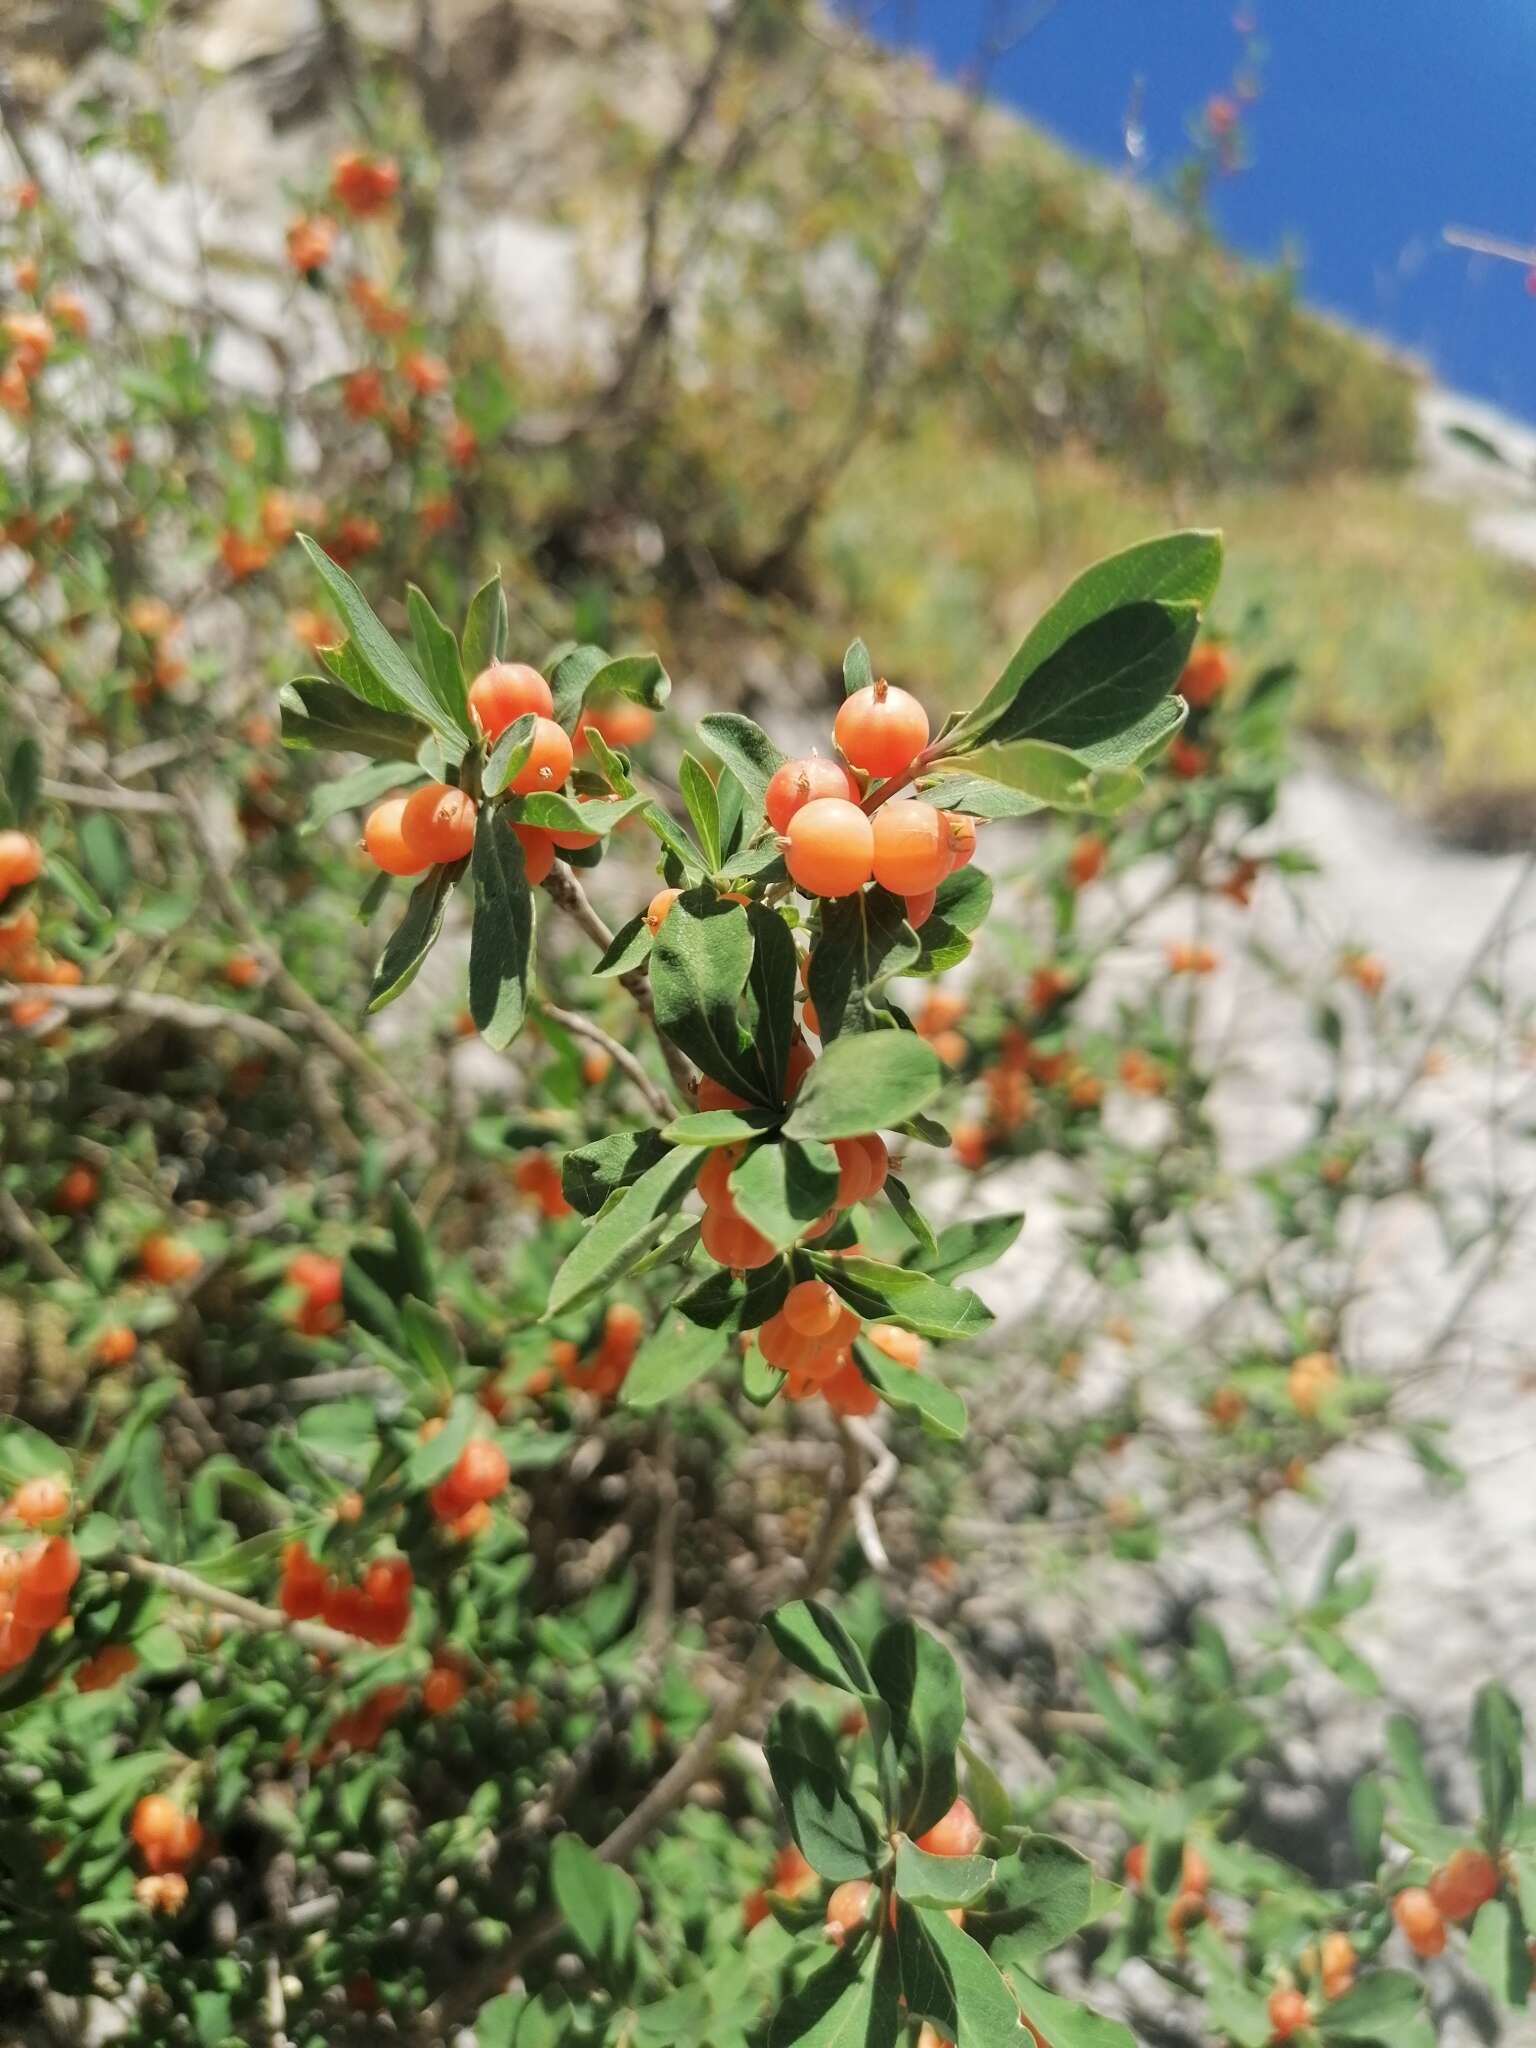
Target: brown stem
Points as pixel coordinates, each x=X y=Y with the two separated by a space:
x=567 y=893
x=313 y=1635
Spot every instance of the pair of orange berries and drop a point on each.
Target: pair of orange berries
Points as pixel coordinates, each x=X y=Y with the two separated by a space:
x=607 y=1369
x=1467 y=1880
x=376 y=1611
x=480 y=1472
x=537 y=1176
x=435 y=825
x=167 y=1838
x=320 y=1280
x=728 y=1237
x=166 y=1261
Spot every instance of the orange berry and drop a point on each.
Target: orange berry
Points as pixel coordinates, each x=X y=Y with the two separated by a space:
x=441 y=1689
x=116 y=1345
x=902 y=1347
x=853 y=1172
x=538 y=852
x=794 y=784
x=1136 y=1864
x=911 y=856
x=656 y=912
x=549 y=760
x=596 y=1066
x=1469 y=1879
x=831 y=847
x=363 y=184
x=848 y=1909
x=110 y=1664
x=21 y=860
x=956 y=1833
x=384 y=840
x=320 y=1277
x=714 y=1178
x=76 y=1191
x=920 y=908
x=424 y=373
x=714 y=1095
x=849 y=1393
x=811 y=1308
x=40 y=1500
x=1421 y=1921
x=1206 y=674
x=165 y=1261
x=242 y=970
x=504 y=693
x=480 y=1474
x=1287 y=2014
x=880 y=730
x=969 y=1143
x=623 y=1327
x=754 y=1910
x=796 y=1067
x=1338 y=1963
x=311 y=241
x=731 y=1241
x=438 y=823
x=878 y=1162
x=1194 y=1872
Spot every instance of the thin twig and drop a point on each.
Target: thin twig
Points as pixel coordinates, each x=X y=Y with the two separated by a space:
x=341 y=1043
x=568 y=895
x=657 y=1099
x=149 y=802
x=26 y=1233
x=171 y=1578
x=99 y=999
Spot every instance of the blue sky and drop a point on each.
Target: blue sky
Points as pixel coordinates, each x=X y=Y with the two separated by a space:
x=1380 y=122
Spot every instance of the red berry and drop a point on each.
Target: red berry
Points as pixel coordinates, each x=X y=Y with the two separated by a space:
x=438 y=824
x=881 y=730
x=956 y=1833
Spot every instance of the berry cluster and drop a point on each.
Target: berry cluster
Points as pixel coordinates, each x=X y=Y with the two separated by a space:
x=835 y=826
x=35 y=1581
x=435 y=825
x=1468 y=1879
x=377 y=1609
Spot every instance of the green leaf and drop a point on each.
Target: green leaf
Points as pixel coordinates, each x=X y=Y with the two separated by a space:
x=1497 y=1734
x=672 y=1358
x=600 y=1905
x=858 y=671
x=590 y=1174
x=771 y=995
x=1140 y=743
x=781 y=1187
x=414 y=936
x=24 y=778
x=434 y=1457
x=1498 y=1949
x=831 y=1829
x=1054 y=776
x=941 y=1881
x=1407 y=1754
x=949 y=1979
x=322 y=715
x=699 y=966
x=638 y=676
x=1377 y=2006
x=501 y=938
x=899 y=1195
x=552 y=812
x=379 y=654
x=745 y=749
x=358 y=791
x=865 y=939
x=1367 y=1816
x=149 y=1406
x=963 y=1247
x=437 y=654
x=1103 y=681
x=917 y=1679
x=570 y=679
x=811 y=1637
x=1044 y=1894
x=433 y=1343
x=851 y=2002
x=104 y=856
x=703 y=807
x=975 y=797
x=938 y=1408
x=867 y=1082
x=1176 y=568
x=621 y=1236
x=1063 y=2023
x=485 y=627
x=629 y=948
x=897 y=1294
x=721 y=1126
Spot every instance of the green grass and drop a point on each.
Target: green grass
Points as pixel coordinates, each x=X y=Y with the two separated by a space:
x=1417 y=648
